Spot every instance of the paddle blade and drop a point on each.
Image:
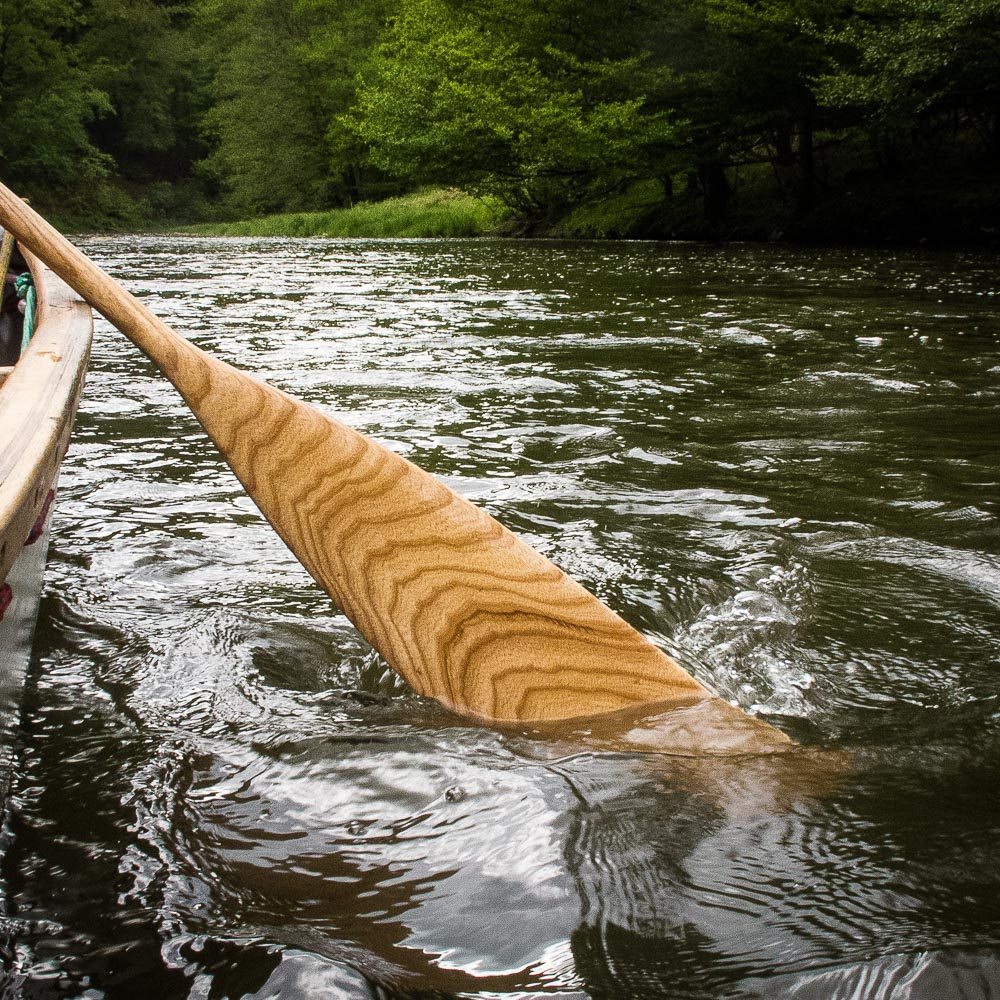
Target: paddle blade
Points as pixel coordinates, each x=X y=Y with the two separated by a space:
x=467 y=612
x=458 y=605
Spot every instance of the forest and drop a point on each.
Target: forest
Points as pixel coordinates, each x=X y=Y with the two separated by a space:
x=732 y=119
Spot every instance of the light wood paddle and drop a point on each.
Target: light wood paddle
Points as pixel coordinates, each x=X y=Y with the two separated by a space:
x=6 y=252
x=464 y=610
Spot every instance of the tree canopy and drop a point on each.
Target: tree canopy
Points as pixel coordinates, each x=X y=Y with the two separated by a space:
x=732 y=117
x=453 y=95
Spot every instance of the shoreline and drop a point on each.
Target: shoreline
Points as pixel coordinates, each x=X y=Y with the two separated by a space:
x=449 y=213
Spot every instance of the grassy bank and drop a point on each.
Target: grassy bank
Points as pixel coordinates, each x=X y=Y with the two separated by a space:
x=425 y=213
x=447 y=212
x=917 y=210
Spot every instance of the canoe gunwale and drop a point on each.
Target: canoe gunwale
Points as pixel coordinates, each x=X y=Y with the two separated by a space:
x=38 y=402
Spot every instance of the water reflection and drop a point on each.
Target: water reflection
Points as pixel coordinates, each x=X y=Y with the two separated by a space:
x=781 y=466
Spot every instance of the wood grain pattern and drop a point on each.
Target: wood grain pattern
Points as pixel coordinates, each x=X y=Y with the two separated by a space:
x=6 y=252
x=462 y=608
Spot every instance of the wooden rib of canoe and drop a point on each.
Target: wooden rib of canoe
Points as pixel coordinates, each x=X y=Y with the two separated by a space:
x=38 y=402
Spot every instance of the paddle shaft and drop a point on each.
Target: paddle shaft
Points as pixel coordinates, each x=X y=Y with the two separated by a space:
x=463 y=609
x=114 y=303
x=6 y=252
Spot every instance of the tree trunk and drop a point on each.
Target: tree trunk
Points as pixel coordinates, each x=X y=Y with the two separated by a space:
x=807 y=169
x=784 y=163
x=715 y=186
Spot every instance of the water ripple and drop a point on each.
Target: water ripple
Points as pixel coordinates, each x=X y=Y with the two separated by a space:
x=780 y=465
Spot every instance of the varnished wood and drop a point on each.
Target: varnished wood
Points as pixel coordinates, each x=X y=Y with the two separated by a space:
x=6 y=252
x=462 y=608
x=38 y=402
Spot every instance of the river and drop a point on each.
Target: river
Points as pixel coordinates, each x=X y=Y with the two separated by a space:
x=781 y=465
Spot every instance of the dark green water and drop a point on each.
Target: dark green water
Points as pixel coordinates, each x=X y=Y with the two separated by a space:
x=781 y=465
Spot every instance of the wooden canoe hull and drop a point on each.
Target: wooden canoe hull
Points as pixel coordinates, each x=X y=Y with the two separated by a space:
x=38 y=403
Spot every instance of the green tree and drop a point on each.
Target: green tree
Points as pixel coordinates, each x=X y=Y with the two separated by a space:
x=771 y=53
x=267 y=119
x=479 y=96
x=143 y=57
x=285 y=69
x=47 y=101
x=744 y=76
x=917 y=86
x=930 y=65
x=342 y=37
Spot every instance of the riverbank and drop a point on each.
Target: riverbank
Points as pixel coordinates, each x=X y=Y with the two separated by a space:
x=434 y=213
x=861 y=216
x=449 y=212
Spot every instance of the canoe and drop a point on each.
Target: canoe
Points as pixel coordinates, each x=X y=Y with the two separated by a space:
x=39 y=395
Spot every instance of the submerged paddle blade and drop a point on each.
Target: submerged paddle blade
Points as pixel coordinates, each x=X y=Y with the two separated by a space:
x=462 y=608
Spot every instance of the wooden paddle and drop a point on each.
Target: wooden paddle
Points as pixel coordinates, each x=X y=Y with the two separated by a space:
x=6 y=252
x=462 y=608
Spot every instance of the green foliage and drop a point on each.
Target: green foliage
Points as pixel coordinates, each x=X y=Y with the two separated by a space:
x=906 y=59
x=916 y=85
x=447 y=98
x=620 y=215
x=645 y=117
x=93 y=94
x=139 y=54
x=766 y=57
x=47 y=102
x=284 y=70
x=427 y=213
x=343 y=36
x=267 y=120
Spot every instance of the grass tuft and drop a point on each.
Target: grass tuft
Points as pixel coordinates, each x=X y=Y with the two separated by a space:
x=424 y=213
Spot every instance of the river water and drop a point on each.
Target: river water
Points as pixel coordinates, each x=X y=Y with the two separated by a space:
x=781 y=465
